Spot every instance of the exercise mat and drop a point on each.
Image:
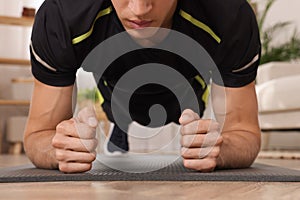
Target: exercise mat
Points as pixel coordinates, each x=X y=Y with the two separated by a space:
x=148 y=168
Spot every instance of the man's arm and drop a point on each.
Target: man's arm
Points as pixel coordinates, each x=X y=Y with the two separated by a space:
x=51 y=137
x=237 y=118
x=240 y=132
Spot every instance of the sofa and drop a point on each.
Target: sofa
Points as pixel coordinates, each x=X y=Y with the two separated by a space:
x=278 y=94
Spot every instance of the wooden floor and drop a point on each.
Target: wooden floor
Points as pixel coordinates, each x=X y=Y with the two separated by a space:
x=151 y=190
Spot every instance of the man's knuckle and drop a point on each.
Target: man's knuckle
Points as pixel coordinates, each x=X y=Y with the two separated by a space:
x=92 y=156
x=198 y=167
x=202 y=126
x=208 y=124
x=186 y=163
x=60 y=155
x=55 y=141
x=85 y=167
x=183 y=141
x=63 y=126
x=91 y=145
x=217 y=151
x=86 y=132
x=60 y=127
x=187 y=141
x=184 y=152
x=183 y=130
x=89 y=166
x=207 y=167
x=220 y=140
x=63 y=166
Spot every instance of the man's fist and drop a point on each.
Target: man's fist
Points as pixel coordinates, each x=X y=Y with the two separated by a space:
x=75 y=142
x=201 y=142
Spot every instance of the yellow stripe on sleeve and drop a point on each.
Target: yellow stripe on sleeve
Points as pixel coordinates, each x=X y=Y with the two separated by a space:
x=205 y=95
x=199 y=24
x=88 y=34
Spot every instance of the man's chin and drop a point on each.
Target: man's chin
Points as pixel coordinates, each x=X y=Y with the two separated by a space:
x=149 y=35
x=143 y=33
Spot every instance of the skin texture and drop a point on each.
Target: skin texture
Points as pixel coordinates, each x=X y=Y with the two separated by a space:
x=142 y=19
x=239 y=142
x=54 y=139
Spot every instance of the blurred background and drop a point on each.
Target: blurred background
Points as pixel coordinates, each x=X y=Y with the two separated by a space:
x=278 y=80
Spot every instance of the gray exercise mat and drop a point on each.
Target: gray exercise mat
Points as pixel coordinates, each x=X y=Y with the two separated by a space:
x=148 y=168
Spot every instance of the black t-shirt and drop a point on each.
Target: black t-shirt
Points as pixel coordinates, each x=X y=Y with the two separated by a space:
x=66 y=31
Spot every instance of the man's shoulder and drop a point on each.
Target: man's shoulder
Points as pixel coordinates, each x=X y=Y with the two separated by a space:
x=74 y=6
x=217 y=14
x=77 y=16
x=213 y=8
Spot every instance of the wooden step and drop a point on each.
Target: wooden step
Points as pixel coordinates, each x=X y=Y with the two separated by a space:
x=6 y=102
x=17 y=21
x=12 y=61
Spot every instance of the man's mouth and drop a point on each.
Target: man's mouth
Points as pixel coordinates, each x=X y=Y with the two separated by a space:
x=139 y=24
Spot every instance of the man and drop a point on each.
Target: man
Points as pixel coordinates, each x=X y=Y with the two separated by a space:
x=66 y=31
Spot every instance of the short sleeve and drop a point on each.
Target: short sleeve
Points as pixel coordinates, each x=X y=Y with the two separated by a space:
x=239 y=53
x=52 y=55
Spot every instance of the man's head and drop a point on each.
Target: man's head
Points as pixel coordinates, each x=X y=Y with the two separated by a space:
x=137 y=15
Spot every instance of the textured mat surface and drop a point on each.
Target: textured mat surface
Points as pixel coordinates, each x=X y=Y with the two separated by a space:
x=148 y=168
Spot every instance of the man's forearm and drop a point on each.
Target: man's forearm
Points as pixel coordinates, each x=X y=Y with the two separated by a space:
x=239 y=149
x=39 y=149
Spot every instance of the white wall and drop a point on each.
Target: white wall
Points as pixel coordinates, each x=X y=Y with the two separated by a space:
x=14 y=43
x=281 y=11
x=14 y=40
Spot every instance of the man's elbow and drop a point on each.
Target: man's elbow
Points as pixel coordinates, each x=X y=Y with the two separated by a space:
x=252 y=151
x=40 y=155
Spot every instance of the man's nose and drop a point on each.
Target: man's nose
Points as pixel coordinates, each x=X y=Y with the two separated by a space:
x=140 y=7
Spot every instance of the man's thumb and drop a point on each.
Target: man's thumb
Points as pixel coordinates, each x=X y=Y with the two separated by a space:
x=88 y=116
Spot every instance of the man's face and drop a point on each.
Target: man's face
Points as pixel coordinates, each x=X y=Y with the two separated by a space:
x=136 y=15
